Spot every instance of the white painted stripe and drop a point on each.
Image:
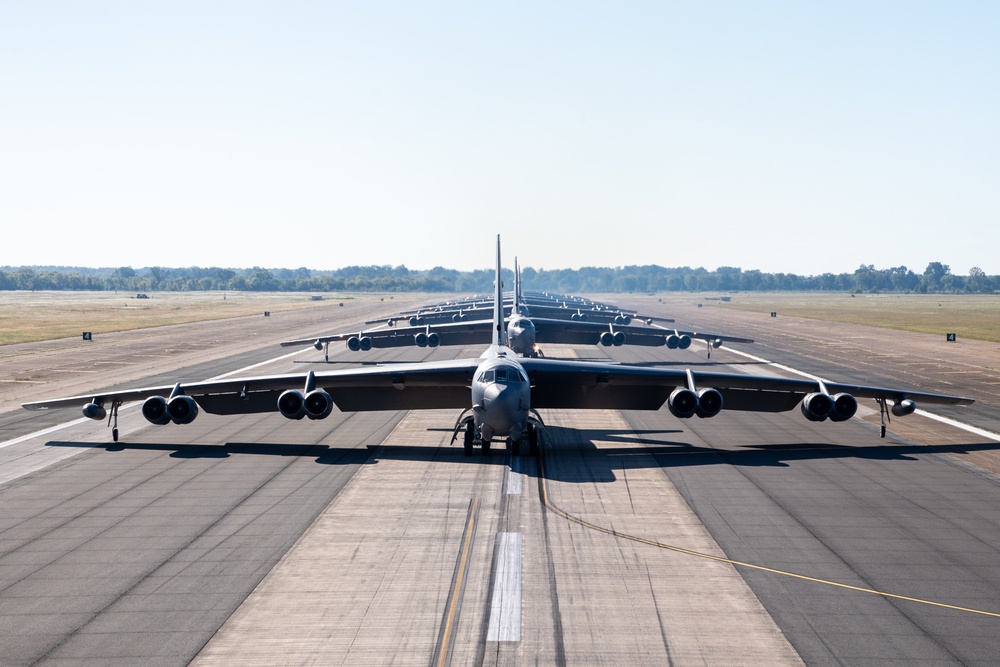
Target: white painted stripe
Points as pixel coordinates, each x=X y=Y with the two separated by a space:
x=505 y=607
x=514 y=477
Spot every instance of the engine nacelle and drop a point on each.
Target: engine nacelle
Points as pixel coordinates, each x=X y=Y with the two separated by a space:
x=903 y=408
x=682 y=402
x=709 y=403
x=607 y=339
x=318 y=345
x=365 y=343
x=291 y=404
x=414 y=321
x=154 y=409
x=318 y=404
x=420 y=339
x=619 y=338
x=182 y=409
x=678 y=342
x=817 y=406
x=353 y=343
x=94 y=411
x=433 y=340
x=844 y=407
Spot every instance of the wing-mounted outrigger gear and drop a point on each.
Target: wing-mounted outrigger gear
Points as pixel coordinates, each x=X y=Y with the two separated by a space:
x=901 y=407
x=324 y=347
x=113 y=420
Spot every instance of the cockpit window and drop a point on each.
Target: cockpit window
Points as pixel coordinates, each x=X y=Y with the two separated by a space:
x=503 y=375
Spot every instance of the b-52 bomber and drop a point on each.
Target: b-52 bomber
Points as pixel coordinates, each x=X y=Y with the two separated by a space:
x=524 y=333
x=499 y=393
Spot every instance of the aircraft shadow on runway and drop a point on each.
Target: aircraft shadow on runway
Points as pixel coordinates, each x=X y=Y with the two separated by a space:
x=571 y=454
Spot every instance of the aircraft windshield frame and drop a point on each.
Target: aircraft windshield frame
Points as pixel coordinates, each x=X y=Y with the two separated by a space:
x=502 y=375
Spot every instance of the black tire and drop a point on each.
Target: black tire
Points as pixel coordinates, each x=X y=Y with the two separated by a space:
x=469 y=439
x=532 y=441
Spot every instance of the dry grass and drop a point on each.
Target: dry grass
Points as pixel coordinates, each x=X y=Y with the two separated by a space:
x=972 y=316
x=36 y=316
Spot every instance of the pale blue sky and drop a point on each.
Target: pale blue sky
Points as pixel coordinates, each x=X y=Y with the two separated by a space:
x=781 y=136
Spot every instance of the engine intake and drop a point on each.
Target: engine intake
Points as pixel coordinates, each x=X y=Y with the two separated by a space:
x=291 y=404
x=318 y=404
x=433 y=340
x=607 y=339
x=154 y=409
x=682 y=402
x=844 y=407
x=420 y=339
x=353 y=343
x=709 y=403
x=182 y=409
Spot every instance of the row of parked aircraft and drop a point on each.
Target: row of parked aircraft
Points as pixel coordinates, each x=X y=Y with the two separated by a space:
x=532 y=319
x=499 y=392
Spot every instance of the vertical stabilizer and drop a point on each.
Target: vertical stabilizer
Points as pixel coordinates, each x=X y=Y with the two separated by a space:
x=499 y=333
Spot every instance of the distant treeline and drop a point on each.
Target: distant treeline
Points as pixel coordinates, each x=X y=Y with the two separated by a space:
x=937 y=277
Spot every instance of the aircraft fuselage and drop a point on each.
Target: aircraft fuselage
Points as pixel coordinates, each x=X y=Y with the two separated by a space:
x=501 y=396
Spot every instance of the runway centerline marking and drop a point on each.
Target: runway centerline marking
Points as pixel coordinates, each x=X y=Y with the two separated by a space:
x=505 y=604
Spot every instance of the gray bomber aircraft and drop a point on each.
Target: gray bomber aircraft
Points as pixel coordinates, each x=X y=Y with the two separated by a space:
x=500 y=393
x=524 y=333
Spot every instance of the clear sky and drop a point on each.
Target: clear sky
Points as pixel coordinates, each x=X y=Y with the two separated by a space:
x=799 y=137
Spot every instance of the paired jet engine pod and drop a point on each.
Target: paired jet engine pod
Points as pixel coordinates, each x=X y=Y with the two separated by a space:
x=622 y=318
x=355 y=343
x=839 y=407
x=675 y=342
x=578 y=316
x=316 y=404
x=684 y=403
x=179 y=410
x=427 y=339
x=608 y=338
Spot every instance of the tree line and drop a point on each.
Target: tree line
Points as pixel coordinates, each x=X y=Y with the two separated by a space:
x=936 y=278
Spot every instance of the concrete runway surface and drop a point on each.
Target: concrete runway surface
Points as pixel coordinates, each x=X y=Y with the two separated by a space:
x=635 y=539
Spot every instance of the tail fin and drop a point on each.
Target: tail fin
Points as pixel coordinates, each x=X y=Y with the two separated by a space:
x=499 y=333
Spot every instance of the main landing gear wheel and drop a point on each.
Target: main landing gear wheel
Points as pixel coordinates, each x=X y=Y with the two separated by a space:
x=470 y=437
x=114 y=434
x=486 y=447
x=532 y=441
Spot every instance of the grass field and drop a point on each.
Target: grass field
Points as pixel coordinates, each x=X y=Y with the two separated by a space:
x=971 y=316
x=36 y=316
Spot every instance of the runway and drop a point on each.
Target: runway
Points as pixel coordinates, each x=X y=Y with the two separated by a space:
x=367 y=538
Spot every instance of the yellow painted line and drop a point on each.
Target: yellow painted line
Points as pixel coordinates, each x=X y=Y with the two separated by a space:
x=457 y=585
x=543 y=489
